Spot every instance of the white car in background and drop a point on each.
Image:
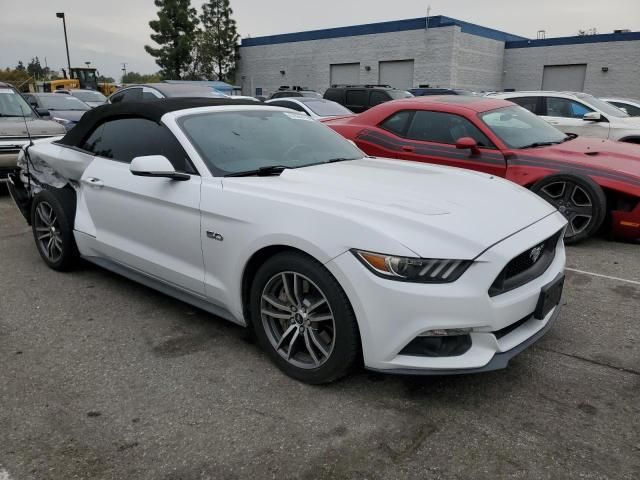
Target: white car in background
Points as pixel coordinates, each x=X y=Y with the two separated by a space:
x=631 y=107
x=316 y=108
x=269 y=219
x=578 y=113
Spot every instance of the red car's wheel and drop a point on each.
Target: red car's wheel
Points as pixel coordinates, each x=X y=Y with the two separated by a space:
x=579 y=199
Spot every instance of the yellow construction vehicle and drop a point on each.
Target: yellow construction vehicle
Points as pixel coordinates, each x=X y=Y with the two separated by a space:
x=80 y=77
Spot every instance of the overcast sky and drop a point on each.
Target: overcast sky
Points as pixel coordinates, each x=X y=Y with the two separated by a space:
x=110 y=32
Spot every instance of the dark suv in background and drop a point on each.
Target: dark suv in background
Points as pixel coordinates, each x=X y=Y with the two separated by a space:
x=359 y=98
x=427 y=91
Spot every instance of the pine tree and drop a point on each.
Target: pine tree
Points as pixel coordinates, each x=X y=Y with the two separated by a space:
x=35 y=69
x=216 y=46
x=175 y=31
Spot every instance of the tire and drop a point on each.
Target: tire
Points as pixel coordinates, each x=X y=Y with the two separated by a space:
x=314 y=336
x=579 y=199
x=54 y=209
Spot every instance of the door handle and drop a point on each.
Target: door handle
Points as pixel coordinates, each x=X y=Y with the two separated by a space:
x=95 y=182
x=409 y=149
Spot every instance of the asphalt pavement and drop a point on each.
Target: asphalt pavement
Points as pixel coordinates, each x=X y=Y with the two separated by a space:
x=101 y=378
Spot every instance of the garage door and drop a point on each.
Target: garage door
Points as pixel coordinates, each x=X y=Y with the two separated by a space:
x=564 y=77
x=398 y=74
x=345 y=74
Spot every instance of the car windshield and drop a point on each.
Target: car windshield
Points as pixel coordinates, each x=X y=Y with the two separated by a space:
x=603 y=106
x=62 y=102
x=396 y=94
x=519 y=128
x=326 y=108
x=310 y=94
x=13 y=105
x=243 y=141
x=89 y=96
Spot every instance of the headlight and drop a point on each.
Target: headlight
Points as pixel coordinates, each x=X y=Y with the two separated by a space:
x=408 y=269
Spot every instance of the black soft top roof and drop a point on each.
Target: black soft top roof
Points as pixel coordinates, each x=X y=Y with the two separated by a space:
x=151 y=110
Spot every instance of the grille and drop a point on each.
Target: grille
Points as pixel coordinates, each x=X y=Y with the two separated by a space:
x=528 y=265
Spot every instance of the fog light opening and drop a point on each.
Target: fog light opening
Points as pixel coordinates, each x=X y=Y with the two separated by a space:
x=442 y=345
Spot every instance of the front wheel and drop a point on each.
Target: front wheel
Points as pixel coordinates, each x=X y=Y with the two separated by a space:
x=579 y=199
x=303 y=319
x=52 y=217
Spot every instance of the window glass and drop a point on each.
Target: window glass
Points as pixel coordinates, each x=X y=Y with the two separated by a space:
x=243 y=141
x=601 y=105
x=62 y=102
x=518 y=127
x=630 y=109
x=566 y=108
x=310 y=94
x=377 y=98
x=334 y=94
x=530 y=103
x=356 y=97
x=128 y=95
x=326 y=108
x=443 y=127
x=291 y=105
x=89 y=96
x=149 y=94
x=398 y=122
x=12 y=104
x=397 y=94
x=127 y=138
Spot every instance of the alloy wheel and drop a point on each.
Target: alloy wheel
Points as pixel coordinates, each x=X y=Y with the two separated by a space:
x=573 y=202
x=298 y=320
x=48 y=233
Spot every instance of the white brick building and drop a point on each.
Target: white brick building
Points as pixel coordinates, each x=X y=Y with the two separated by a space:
x=450 y=53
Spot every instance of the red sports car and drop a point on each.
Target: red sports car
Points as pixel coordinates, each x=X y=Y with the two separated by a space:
x=591 y=181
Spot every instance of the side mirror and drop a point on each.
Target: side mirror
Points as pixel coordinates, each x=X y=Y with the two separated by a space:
x=43 y=112
x=468 y=143
x=155 y=166
x=593 y=117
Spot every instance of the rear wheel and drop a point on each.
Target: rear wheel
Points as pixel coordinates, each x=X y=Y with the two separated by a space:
x=579 y=199
x=303 y=319
x=52 y=216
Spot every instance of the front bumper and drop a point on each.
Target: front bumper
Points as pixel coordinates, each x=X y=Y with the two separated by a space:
x=391 y=314
x=626 y=225
x=8 y=164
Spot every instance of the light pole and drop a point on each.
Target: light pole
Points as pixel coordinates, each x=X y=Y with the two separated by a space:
x=66 y=42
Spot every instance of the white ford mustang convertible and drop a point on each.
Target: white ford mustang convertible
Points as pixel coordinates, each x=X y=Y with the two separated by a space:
x=269 y=219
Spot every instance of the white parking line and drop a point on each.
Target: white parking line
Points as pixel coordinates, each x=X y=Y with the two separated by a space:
x=617 y=279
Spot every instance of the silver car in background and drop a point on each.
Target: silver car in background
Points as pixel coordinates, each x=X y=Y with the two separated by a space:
x=17 y=121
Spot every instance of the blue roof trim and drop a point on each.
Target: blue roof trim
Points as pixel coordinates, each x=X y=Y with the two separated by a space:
x=383 y=27
x=550 y=42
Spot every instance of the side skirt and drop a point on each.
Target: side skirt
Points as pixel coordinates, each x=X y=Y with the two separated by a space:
x=163 y=287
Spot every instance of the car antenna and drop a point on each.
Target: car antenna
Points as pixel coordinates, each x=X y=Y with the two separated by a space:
x=26 y=149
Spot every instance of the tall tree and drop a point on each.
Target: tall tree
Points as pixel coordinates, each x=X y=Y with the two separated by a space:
x=216 y=47
x=20 y=66
x=35 y=69
x=175 y=31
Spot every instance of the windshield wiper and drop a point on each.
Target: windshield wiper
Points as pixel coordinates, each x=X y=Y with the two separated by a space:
x=340 y=159
x=570 y=136
x=541 y=144
x=267 y=171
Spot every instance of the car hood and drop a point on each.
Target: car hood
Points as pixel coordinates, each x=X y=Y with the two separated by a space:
x=418 y=205
x=71 y=115
x=592 y=153
x=15 y=127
